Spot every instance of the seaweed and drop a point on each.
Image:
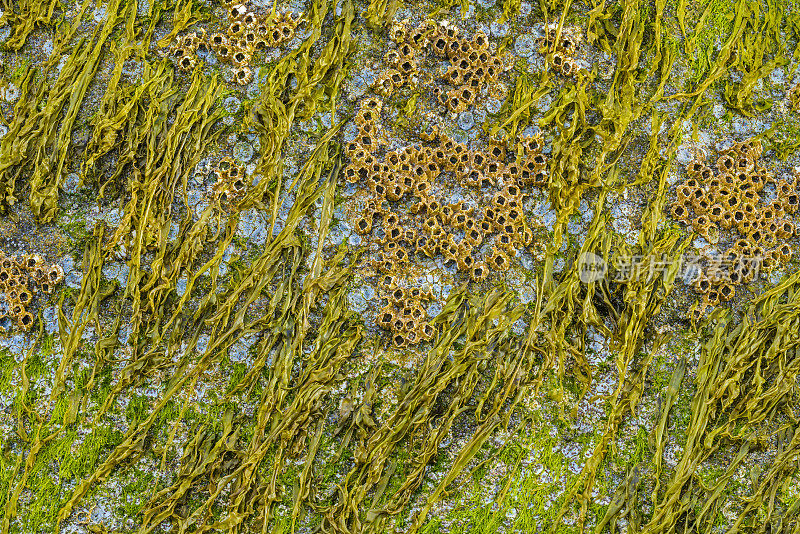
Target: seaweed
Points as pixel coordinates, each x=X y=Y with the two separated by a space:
x=25 y=18
x=757 y=53
x=735 y=385
x=40 y=136
x=380 y=12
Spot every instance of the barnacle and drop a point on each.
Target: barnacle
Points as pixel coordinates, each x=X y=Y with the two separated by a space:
x=286 y=31
x=179 y=52
x=237 y=11
x=187 y=63
x=241 y=57
x=702 y=284
x=23 y=295
x=218 y=40
x=56 y=274
x=569 y=67
x=497 y=259
x=393 y=233
x=398 y=31
x=243 y=75
x=755 y=235
x=465 y=261
x=786 y=229
x=249 y=19
x=224 y=51
x=25 y=321
x=700 y=223
x=384 y=85
x=770 y=260
x=680 y=211
x=236 y=28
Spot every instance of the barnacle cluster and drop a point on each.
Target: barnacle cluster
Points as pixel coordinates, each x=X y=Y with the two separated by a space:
x=404 y=313
x=405 y=211
x=185 y=49
x=558 y=47
x=407 y=206
x=247 y=33
x=229 y=180
x=429 y=225
x=728 y=198
x=21 y=277
x=473 y=68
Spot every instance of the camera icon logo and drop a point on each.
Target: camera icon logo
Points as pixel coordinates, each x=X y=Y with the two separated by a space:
x=591 y=267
